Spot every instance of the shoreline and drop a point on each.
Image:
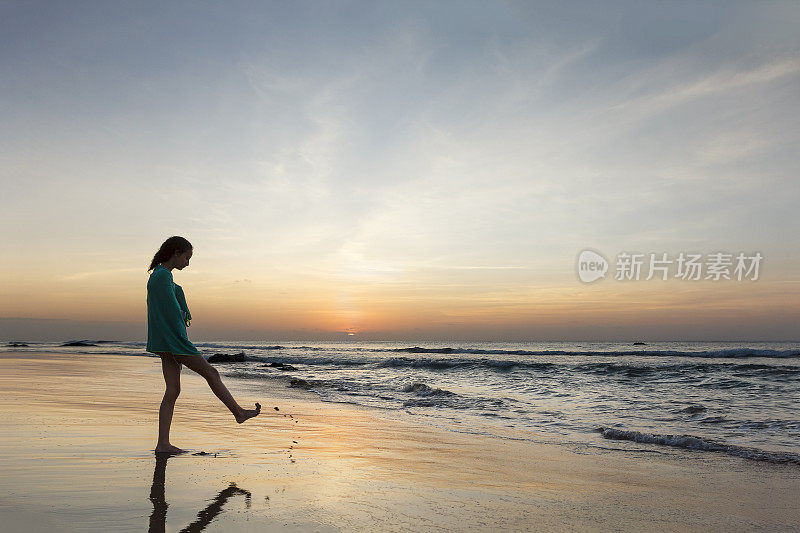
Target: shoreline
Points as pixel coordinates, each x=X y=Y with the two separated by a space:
x=76 y=426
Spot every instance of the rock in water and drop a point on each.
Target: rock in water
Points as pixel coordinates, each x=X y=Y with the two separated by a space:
x=299 y=383
x=227 y=358
x=280 y=366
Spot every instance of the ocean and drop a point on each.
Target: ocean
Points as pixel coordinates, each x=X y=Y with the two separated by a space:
x=731 y=398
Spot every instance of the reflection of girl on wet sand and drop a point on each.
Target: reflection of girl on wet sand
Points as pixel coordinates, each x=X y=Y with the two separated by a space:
x=167 y=319
x=158 y=518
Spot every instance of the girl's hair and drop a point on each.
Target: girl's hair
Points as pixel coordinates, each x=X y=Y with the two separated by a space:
x=173 y=245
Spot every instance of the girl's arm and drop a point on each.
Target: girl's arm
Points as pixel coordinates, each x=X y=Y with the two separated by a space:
x=185 y=314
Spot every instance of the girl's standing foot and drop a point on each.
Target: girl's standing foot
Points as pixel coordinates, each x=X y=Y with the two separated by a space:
x=169 y=448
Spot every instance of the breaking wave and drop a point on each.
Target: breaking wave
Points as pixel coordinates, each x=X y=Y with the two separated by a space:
x=691 y=442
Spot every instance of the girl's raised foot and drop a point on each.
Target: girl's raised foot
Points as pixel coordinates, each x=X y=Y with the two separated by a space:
x=248 y=413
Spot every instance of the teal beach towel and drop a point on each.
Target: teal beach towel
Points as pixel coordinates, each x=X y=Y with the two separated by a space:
x=167 y=315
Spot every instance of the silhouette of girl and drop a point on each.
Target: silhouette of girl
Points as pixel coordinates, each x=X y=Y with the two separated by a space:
x=167 y=319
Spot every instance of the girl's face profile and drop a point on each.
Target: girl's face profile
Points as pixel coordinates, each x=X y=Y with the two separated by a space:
x=182 y=260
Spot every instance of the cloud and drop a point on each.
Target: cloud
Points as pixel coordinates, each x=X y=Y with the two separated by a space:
x=96 y=274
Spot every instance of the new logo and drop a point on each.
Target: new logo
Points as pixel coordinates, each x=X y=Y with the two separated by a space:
x=591 y=266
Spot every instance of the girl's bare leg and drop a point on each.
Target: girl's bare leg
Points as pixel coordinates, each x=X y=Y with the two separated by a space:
x=211 y=374
x=172 y=378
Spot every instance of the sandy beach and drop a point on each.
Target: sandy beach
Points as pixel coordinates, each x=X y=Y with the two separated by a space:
x=78 y=433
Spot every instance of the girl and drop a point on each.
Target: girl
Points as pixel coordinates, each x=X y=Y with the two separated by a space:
x=167 y=319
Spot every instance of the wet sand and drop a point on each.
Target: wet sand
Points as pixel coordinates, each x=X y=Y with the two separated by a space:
x=78 y=433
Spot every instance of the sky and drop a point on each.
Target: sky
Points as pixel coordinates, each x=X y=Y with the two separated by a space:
x=399 y=170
